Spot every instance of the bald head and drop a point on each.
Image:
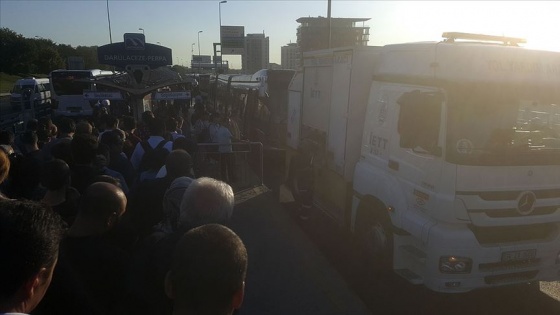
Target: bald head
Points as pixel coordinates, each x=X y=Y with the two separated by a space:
x=102 y=200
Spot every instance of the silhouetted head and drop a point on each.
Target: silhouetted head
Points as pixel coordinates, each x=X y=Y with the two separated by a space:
x=208 y=271
x=30 y=234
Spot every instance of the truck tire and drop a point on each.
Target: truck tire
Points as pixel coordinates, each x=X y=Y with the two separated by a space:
x=375 y=236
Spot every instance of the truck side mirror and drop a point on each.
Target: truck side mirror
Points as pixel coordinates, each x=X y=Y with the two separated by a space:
x=419 y=121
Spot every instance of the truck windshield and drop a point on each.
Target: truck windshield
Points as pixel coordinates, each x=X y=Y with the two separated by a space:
x=495 y=127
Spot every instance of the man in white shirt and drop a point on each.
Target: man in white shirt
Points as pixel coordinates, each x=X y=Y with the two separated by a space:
x=222 y=135
x=157 y=131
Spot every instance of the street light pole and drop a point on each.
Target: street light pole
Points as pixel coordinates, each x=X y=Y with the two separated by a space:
x=199 y=69
x=141 y=29
x=220 y=41
x=109 y=20
x=220 y=16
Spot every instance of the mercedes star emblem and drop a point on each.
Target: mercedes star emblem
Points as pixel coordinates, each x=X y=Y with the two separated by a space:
x=526 y=202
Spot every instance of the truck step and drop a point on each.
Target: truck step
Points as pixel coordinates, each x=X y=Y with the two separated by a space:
x=414 y=251
x=410 y=276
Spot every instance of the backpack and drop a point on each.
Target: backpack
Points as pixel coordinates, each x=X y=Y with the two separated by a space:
x=153 y=158
x=204 y=136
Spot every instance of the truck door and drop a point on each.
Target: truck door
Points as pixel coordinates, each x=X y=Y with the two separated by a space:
x=415 y=156
x=403 y=134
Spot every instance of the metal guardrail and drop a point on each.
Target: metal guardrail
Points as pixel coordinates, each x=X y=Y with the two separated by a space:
x=242 y=168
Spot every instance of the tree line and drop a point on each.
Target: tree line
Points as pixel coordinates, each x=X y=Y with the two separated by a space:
x=32 y=56
x=23 y=56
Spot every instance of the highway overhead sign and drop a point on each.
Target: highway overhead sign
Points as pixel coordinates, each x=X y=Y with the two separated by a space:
x=232 y=39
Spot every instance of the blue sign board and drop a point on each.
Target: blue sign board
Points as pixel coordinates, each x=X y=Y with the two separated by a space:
x=134 y=51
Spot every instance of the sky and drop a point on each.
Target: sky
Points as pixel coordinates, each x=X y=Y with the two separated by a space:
x=176 y=24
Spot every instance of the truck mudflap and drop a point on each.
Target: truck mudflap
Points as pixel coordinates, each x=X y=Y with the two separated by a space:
x=444 y=266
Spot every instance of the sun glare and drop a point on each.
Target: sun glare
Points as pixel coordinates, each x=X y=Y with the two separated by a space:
x=535 y=21
x=538 y=23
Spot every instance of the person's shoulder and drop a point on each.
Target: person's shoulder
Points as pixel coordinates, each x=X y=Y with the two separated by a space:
x=72 y=193
x=112 y=173
x=133 y=137
x=225 y=130
x=138 y=145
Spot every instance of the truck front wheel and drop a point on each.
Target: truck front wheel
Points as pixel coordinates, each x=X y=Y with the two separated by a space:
x=373 y=228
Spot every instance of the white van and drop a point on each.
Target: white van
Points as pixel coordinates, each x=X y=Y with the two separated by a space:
x=30 y=91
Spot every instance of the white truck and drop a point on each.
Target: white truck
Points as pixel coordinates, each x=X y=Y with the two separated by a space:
x=30 y=93
x=30 y=98
x=442 y=157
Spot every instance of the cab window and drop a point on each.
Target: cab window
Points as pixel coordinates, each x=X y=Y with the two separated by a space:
x=419 y=121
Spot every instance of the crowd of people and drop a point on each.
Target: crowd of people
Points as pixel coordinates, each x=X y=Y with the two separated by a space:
x=106 y=215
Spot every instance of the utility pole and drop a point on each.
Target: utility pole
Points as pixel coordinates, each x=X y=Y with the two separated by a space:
x=220 y=41
x=199 y=68
x=329 y=22
x=109 y=20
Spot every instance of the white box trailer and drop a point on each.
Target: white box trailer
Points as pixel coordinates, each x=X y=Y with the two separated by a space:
x=336 y=83
x=456 y=179
x=327 y=104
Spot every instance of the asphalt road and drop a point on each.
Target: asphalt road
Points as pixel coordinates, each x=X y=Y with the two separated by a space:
x=287 y=273
x=393 y=295
x=314 y=267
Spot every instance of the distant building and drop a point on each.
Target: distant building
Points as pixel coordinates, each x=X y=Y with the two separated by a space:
x=290 y=56
x=256 y=56
x=313 y=33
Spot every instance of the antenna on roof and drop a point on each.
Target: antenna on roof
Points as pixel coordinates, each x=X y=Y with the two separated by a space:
x=450 y=37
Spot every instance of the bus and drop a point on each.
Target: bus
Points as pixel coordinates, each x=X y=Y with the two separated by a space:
x=67 y=91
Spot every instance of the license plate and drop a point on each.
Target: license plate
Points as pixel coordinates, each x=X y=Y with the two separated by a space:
x=519 y=255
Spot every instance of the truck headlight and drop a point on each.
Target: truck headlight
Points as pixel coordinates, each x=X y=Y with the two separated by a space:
x=455 y=264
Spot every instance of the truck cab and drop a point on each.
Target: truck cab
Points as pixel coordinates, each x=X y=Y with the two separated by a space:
x=457 y=181
x=30 y=92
